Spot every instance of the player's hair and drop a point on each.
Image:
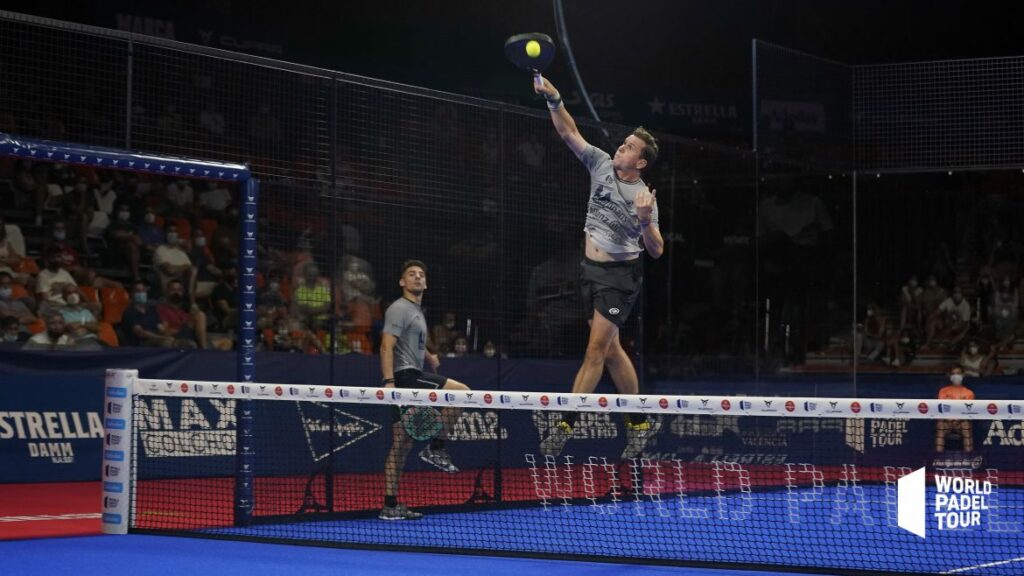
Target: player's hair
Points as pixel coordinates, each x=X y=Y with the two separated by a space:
x=410 y=263
x=650 y=151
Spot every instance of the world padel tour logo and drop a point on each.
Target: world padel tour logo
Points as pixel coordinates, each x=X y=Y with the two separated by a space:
x=958 y=502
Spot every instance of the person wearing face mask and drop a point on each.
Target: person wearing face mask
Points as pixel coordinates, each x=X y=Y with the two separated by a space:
x=172 y=262
x=955 y=390
x=951 y=320
x=460 y=348
x=11 y=306
x=984 y=290
x=974 y=362
x=53 y=337
x=208 y=273
x=104 y=199
x=140 y=325
x=79 y=322
x=10 y=332
x=151 y=234
x=50 y=285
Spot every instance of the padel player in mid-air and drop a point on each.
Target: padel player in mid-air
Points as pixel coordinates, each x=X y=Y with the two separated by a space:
x=402 y=354
x=622 y=222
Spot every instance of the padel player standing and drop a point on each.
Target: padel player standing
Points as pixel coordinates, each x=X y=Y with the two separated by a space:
x=402 y=354
x=622 y=222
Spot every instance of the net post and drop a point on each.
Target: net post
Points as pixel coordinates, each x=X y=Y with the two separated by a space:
x=244 y=435
x=118 y=433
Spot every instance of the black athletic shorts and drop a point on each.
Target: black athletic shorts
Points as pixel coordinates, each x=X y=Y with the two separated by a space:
x=413 y=378
x=611 y=288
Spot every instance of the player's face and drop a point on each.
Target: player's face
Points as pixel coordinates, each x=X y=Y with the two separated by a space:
x=628 y=155
x=414 y=279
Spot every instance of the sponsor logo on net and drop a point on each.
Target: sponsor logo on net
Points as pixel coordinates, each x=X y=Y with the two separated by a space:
x=195 y=427
x=958 y=503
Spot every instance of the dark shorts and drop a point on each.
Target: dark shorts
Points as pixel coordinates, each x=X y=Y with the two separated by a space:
x=412 y=378
x=611 y=288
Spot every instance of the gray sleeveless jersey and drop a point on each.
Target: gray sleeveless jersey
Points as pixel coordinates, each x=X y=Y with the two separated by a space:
x=404 y=320
x=611 y=219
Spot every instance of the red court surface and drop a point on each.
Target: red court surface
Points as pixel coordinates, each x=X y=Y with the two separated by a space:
x=52 y=509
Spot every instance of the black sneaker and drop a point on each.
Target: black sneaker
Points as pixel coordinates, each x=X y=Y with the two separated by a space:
x=399 y=512
x=439 y=458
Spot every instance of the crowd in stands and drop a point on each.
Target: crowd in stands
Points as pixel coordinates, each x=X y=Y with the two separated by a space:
x=93 y=259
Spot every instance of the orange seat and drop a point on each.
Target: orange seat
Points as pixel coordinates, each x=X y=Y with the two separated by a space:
x=107 y=334
x=115 y=301
x=18 y=291
x=90 y=293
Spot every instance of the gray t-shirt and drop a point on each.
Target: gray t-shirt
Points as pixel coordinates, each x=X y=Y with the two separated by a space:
x=611 y=219
x=404 y=320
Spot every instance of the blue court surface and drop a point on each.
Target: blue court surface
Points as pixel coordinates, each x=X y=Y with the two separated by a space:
x=828 y=531
x=140 y=555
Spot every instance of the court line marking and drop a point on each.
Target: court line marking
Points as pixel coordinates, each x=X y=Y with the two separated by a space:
x=980 y=566
x=42 y=517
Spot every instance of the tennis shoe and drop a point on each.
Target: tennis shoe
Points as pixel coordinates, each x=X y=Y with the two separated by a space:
x=637 y=436
x=438 y=458
x=555 y=442
x=399 y=512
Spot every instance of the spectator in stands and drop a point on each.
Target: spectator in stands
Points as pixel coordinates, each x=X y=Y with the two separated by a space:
x=910 y=304
x=181 y=199
x=950 y=321
x=25 y=186
x=11 y=306
x=870 y=338
x=460 y=347
x=214 y=200
x=225 y=239
x=76 y=208
x=104 y=200
x=12 y=260
x=59 y=244
x=933 y=295
x=361 y=305
x=140 y=325
x=288 y=336
x=490 y=350
x=125 y=245
x=152 y=236
x=445 y=333
x=187 y=326
x=273 y=296
x=1005 y=315
x=79 y=321
x=976 y=363
x=171 y=262
x=224 y=300
x=311 y=298
x=10 y=332
x=54 y=337
x=50 y=285
x=208 y=274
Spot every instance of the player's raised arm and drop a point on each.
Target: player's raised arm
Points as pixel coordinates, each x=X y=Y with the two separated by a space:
x=564 y=124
